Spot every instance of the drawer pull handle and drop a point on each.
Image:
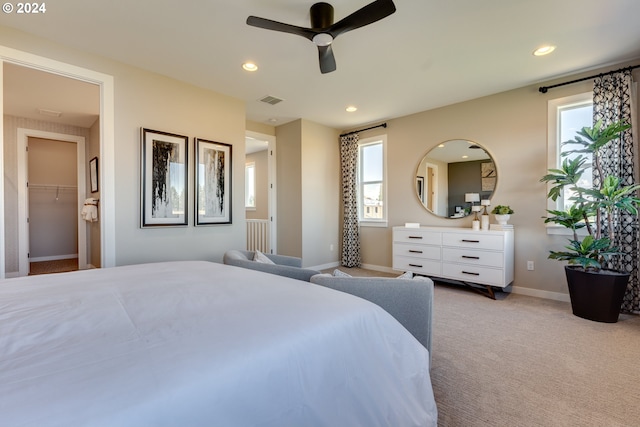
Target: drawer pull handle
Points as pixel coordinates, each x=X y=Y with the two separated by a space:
x=415 y=237
x=469 y=272
x=415 y=265
x=470 y=257
x=470 y=241
x=414 y=251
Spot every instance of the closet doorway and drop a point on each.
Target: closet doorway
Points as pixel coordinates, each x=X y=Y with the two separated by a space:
x=53 y=236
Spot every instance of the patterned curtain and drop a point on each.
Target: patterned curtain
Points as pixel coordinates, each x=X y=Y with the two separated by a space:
x=350 y=232
x=612 y=101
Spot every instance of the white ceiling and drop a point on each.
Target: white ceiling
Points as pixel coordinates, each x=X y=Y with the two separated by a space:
x=429 y=53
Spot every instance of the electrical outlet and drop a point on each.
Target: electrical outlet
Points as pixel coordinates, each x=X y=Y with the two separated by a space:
x=530 y=265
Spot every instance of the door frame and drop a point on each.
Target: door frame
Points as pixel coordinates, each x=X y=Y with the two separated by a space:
x=107 y=142
x=23 y=194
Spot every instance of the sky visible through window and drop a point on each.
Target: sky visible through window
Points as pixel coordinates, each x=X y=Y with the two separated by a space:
x=572 y=120
x=372 y=171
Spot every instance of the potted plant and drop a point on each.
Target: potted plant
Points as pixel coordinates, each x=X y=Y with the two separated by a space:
x=596 y=293
x=502 y=213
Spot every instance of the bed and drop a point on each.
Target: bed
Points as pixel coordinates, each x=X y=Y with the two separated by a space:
x=196 y=343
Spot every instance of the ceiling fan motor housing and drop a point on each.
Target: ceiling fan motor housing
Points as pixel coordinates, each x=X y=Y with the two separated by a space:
x=321 y=16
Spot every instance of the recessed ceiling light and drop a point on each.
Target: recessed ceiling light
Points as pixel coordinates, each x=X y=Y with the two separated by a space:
x=465 y=157
x=250 y=66
x=351 y=109
x=544 y=50
x=272 y=120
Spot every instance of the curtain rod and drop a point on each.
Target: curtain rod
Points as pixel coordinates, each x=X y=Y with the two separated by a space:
x=544 y=89
x=383 y=125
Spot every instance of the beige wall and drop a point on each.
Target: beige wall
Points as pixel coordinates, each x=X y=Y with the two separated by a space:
x=289 y=194
x=320 y=194
x=512 y=126
x=308 y=173
x=145 y=99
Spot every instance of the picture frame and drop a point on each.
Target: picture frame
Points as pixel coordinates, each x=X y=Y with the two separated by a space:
x=213 y=167
x=165 y=177
x=93 y=175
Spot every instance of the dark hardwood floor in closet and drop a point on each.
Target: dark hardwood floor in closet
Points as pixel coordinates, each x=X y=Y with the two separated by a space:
x=57 y=266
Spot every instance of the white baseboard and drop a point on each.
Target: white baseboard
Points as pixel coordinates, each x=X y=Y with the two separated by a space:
x=379 y=268
x=557 y=296
x=325 y=266
x=52 y=258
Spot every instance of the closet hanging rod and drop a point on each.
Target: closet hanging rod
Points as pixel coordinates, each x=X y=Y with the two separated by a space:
x=52 y=186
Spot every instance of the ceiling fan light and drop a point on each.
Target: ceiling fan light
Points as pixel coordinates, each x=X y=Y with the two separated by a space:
x=322 y=39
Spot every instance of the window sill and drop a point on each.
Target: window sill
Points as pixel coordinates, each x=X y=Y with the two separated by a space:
x=563 y=231
x=373 y=223
x=249 y=209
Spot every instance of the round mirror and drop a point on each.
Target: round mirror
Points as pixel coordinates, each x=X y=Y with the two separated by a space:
x=454 y=176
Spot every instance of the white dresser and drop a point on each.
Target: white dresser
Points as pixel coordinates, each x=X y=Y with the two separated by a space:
x=461 y=254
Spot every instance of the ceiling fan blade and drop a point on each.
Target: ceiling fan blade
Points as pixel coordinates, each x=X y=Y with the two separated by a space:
x=268 y=24
x=367 y=15
x=327 y=60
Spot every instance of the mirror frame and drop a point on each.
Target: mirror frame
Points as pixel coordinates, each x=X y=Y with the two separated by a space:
x=473 y=166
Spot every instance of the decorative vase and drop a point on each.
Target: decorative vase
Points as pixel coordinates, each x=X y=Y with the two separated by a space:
x=484 y=222
x=502 y=219
x=475 y=225
x=596 y=295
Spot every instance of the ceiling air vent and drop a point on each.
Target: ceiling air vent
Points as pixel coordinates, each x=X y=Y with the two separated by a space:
x=271 y=100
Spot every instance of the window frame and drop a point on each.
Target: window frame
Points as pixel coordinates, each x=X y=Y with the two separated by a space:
x=247 y=166
x=369 y=222
x=553 y=148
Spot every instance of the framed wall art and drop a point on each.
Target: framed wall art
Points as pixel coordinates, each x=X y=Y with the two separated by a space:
x=93 y=174
x=164 y=172
x=213 y=182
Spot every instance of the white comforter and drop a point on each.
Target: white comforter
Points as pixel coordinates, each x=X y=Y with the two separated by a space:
x=203 y=344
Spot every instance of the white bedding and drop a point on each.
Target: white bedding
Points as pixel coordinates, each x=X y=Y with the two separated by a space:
x=203 y=344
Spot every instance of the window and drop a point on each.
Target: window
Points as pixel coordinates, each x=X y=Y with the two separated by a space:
x=250 y=185
x=566 y=117
x=371 y=182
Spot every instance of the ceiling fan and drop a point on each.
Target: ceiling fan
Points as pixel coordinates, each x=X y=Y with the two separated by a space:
x=323 y=31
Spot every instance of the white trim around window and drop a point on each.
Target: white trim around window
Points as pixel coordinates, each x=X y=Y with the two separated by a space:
x=555 y=106
x=383 y=220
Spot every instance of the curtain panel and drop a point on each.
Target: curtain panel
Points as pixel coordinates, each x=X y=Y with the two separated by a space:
x=613 y=101
x=350 y=232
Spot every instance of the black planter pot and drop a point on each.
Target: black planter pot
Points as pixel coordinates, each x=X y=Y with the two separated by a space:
x=596 y=295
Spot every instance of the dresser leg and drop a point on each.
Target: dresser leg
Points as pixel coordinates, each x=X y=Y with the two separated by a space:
x=488 y=292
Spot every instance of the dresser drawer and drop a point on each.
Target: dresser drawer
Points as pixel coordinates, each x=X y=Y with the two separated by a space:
x=473 y=257
x=473 y=273
x=418 y=236
x=473 y=240
x=417 y=251
x=417 y=265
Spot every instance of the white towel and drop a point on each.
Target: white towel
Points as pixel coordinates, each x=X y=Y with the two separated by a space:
x=90 y=210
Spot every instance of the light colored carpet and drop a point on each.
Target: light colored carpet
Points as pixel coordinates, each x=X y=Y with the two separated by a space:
x=56 y=266
x=524 y=361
